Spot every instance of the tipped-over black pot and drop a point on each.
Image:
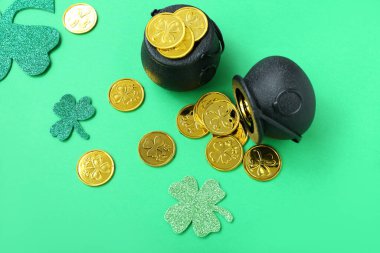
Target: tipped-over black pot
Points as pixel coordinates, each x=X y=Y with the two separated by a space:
x=275 y=99
x=190 y=72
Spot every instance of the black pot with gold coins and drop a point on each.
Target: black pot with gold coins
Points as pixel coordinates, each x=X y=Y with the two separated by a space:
x=182 y=47
x=275 y=99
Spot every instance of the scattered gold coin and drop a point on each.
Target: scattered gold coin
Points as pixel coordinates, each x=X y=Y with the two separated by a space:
x=80 y=18
x=156 y=148
x=187 y=125
x=95 y=168
x=126 y=95
x=195 y=19
x=224 y=153
x=221 y=118
x=205 y=101
x=182 y=49
x=262 y=162
x=165 y=30
x=241 y=134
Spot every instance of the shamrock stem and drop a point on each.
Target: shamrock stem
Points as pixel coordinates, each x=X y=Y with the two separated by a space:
x=225 y=213
x=81 y=131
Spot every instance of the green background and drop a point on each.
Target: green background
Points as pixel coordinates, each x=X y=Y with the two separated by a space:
x=326 y=198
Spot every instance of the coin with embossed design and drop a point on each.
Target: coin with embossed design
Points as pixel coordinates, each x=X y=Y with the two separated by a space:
x=80 y=18
x=126 y=95
x=95 y=168
x=195 y=19
x=262 y=162
x=206 y=100
x=224 y=153
x=156 y=148
x=241 y=134
x=187 y=125
x=221 y=118
x=165 y=30
x=182 y=49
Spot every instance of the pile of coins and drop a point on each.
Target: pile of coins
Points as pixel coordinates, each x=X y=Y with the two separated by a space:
x=215 y=113
x=174 y=35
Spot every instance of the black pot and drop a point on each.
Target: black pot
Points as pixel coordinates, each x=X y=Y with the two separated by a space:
x=275 y=99
x=190 y=72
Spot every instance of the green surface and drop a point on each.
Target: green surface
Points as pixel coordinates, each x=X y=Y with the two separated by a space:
x=326 y=198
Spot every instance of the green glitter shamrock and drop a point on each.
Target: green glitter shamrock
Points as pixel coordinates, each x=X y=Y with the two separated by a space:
x=196 y=206
x=28 y=45
x=71 y=113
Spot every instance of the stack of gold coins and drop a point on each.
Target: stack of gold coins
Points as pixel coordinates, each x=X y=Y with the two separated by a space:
x=215 y=113
x=174 y=35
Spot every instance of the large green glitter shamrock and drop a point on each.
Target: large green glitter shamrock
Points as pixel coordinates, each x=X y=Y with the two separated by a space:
x=28 y=45
x=71 y=113
x=196 y=206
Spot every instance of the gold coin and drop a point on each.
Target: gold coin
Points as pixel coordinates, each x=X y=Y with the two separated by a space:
x=182 y=49
x=187 y=125
x=195 y=19
x=156 y=148
x=165 y=31
x=221 y=118
x=262 y=162
x=95 y=168
x=126 y=95
x=80 y=18
x=224 y=153
x=206 y=100
x=241 y=134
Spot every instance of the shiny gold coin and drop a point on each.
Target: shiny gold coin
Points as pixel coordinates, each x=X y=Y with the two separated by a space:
x=262 y=162
x=182 y=49
x=224 y=153
x=221 y=118
x=95 y=168
x=241 y=134
x=126 y=95
x=195 y=19
x=80 y=18
x=187 y=125
x=206 y=100
x=156 y=148
x=165 y=31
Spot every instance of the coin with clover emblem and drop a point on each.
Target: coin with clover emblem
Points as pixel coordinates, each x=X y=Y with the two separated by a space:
x=156 y=148
x=95 y=168
x=182 y=49
x=262 y=162
x=224 y=153
x=195 y=19
x=187 y=125
x=80 y=18
x=165 y=30
x=206 y=100
x=221 y=118
x=126 y=95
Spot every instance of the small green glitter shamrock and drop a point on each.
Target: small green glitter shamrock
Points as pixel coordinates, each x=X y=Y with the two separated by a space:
x=27 y=45
x=196 y=207
x=71 y=113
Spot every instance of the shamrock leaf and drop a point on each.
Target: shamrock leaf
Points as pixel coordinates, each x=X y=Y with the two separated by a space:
x=196 y=207
x=28 y=45
x=71 y=113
